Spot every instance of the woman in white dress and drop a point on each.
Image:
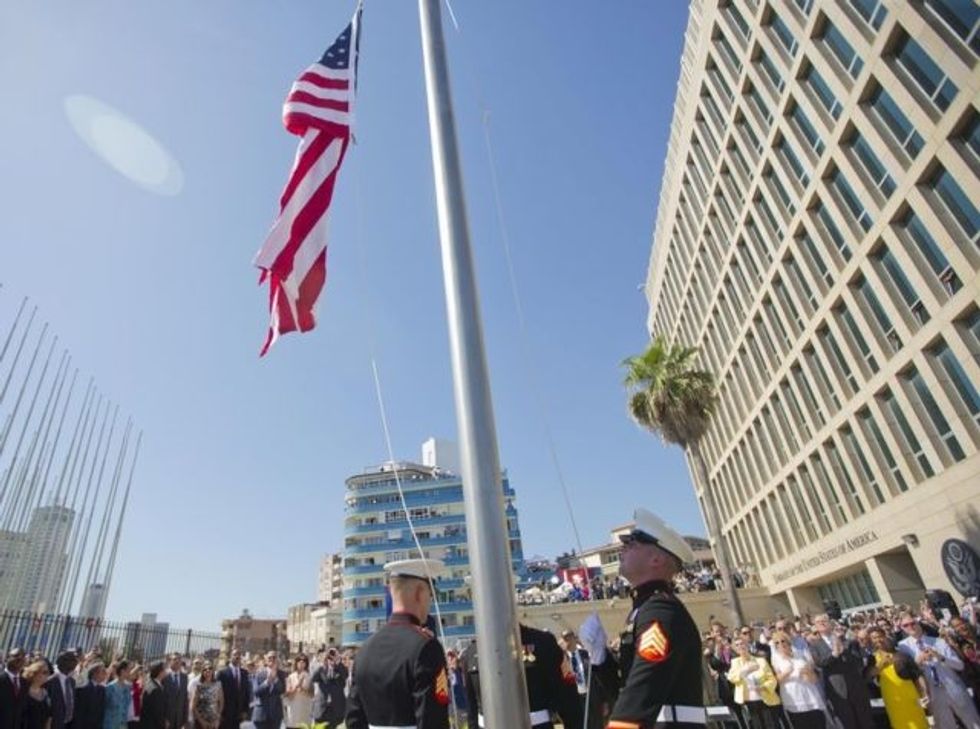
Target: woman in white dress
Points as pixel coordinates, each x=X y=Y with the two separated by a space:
x=298 y=699
x=798 y=684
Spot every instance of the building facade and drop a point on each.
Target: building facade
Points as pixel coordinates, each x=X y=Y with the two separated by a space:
x=818 y=239
x=330 y=583
x=253 y=635
x=312 y=626
x=376 y=531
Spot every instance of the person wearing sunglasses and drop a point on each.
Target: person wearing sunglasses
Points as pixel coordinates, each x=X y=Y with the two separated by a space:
x=948 y=697
x=798 y=684
x=658 y=672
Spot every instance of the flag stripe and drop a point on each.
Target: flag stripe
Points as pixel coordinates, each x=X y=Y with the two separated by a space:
x=328 y=78
x=320 y=92
x=306 y=98
x=314 y=115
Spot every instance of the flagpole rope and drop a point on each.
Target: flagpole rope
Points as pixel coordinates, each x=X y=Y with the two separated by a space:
x=528 y=357
x=385 y=428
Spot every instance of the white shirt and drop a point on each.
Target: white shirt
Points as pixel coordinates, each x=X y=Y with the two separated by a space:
x=796 y=692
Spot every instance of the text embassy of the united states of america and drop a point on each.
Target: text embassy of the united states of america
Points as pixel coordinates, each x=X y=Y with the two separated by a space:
x=828 y=554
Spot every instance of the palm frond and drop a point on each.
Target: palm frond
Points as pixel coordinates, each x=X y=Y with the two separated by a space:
x=667 y=393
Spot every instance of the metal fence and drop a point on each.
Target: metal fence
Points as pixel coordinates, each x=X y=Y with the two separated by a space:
x=51 y=634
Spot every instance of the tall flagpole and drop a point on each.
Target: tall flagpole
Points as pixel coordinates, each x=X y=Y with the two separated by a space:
x=502 y=682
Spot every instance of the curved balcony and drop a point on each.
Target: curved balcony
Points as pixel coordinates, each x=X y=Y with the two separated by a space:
x=381 y=612
x=364 y=569
x=451 y=496
x=362 y=613
x=404 y=544
x=364 y=591
x=370 y=591
x=425 y=522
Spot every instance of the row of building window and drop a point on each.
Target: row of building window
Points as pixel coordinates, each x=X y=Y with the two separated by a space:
x=895 y=441
x=746 y=382
x=953 y=201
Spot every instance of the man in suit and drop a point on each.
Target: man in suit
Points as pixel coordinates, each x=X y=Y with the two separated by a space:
x=948 y=696
x=61 y=690
x=175 y=687
x=842 y=664
x=237 y=690
x=90 y=698
x=268 y=688
x=330 y=704
x=154 y=710
x=13 y=691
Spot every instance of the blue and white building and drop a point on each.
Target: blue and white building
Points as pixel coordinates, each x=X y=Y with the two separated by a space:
x=376 y=531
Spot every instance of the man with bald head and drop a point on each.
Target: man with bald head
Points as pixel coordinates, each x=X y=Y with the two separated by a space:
x=399 y=677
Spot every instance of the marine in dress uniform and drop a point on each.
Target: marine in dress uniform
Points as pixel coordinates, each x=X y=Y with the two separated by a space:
x=399 y=679
x=658 y=673
x=550 y=682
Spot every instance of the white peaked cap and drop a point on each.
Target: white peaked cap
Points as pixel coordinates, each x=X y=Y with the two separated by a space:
x=663 y=535
x=421 y=569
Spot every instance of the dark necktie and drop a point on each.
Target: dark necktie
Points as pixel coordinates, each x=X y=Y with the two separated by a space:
x=69 y=701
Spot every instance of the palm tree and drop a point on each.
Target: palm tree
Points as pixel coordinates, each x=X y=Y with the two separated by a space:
x=671 y=397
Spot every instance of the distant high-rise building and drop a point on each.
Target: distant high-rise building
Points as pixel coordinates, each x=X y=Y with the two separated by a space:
x=376 y=532
x=330 y=583
x=818 y=240
x=147 y=639
x=93 y=601
x=33 y=562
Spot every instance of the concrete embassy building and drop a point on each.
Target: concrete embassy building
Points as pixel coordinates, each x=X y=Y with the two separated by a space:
x=376 y=531
x=818 y=239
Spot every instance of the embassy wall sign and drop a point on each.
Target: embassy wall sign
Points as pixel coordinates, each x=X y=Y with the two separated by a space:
x=848 y=545
x=962 y=566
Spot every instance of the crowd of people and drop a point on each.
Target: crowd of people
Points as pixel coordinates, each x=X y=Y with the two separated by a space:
x=804 y=672
x=700 y=579
x=84 y=691
x=815 y=672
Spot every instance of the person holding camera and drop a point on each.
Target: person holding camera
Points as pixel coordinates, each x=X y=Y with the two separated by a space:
x=330 y=704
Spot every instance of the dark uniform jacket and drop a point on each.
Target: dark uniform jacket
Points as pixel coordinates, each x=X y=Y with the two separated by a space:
x=550 y=682
x=658 y=673
x=399 y=679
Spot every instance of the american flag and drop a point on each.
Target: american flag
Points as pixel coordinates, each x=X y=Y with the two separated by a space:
x=293 y=258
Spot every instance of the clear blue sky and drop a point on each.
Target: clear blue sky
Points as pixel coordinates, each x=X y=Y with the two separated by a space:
x=241 y=480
